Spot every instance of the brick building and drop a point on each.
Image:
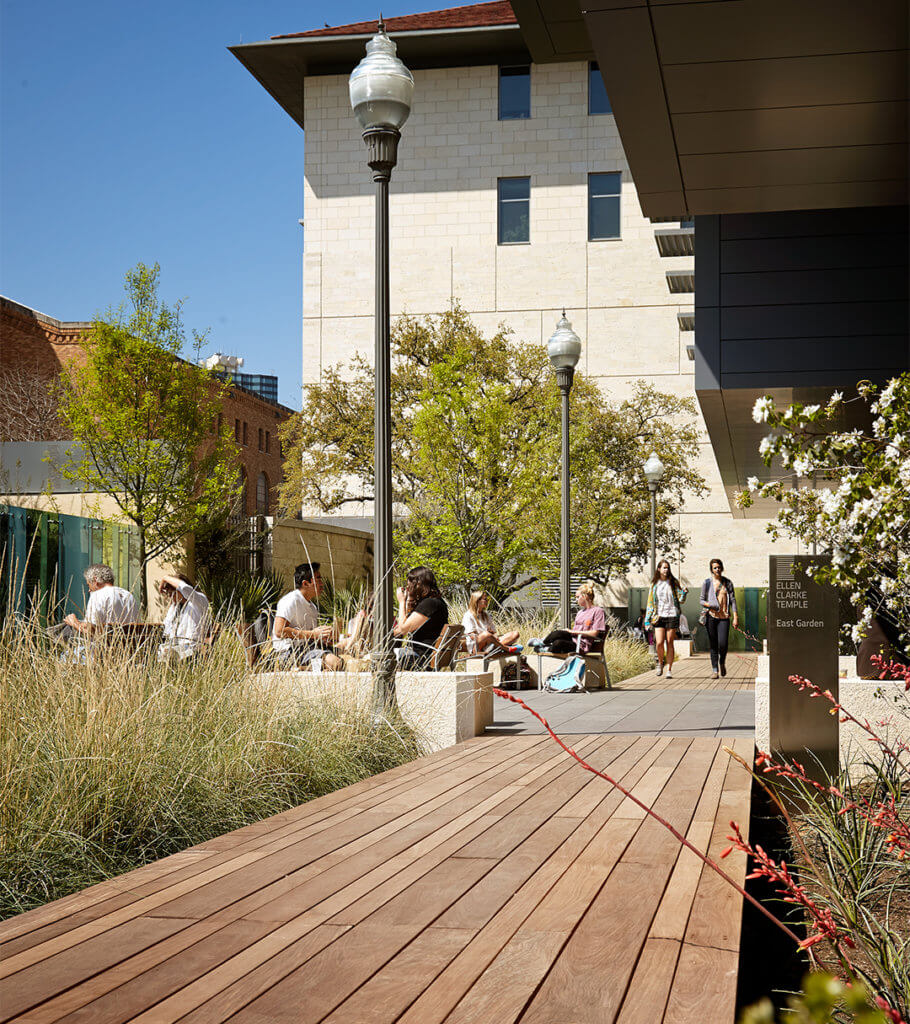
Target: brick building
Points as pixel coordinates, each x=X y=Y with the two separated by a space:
x=34 y=348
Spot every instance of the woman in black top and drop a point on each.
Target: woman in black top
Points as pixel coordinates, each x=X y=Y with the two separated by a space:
x=422 y=613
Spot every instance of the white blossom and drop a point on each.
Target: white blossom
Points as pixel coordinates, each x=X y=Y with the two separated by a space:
x=762 y=409
x=766 y=445
x=752 y=483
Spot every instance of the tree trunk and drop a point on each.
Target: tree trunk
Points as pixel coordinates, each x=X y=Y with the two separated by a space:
x=143 y=573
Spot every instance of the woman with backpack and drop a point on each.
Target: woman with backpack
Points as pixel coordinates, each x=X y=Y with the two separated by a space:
x=718 y=599
x=665 y=598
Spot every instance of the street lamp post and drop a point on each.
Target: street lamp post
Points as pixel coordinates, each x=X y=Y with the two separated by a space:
x=654 y=473
x=564 y=350
x=381 y=88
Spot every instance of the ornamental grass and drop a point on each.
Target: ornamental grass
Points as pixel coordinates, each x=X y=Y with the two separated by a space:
x=109 y=764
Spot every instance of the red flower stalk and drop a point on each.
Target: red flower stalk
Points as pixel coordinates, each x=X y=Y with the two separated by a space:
x=792 y=892
x=680 y=838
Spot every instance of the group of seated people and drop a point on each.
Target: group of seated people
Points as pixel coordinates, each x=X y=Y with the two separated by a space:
x=186 y=627
x=300 y=641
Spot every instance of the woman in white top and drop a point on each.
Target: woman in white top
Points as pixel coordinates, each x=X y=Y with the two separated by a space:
x=479 y=630
x=663 y=612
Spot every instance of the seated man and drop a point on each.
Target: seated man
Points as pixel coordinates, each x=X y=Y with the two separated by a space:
x=297 y=637
x=107 y=604
x=188 y=621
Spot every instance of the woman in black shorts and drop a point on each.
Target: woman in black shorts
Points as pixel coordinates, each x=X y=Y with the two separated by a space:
x=665 y=600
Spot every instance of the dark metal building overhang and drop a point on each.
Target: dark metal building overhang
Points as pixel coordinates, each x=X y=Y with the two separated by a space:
x=738 y=106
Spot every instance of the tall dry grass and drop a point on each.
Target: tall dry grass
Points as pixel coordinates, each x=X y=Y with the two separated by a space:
x=109 y=764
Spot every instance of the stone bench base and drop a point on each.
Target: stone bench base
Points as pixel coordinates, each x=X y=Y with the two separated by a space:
x=443 y=707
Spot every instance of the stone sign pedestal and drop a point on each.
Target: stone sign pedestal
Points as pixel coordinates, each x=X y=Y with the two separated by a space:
x=802 y=640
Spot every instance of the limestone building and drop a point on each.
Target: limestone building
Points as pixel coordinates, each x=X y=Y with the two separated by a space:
x=512 y=196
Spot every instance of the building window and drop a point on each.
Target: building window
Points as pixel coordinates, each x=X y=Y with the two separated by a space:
x=515 y=93
x=262 y=495
x=268 y=442
x=261 y=439
x=242 y=485
x=598 y=100
x=603 y=205
x=514 y=210
x=245 y=438
x=237 y=431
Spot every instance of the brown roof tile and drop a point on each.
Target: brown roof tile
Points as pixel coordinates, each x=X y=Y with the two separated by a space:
x=473 y=16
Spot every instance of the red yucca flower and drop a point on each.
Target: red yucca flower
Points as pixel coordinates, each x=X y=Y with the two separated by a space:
x=790 y=890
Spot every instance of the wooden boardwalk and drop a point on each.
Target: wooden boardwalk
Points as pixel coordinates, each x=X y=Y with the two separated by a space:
x=496 y=881
x=695 y=674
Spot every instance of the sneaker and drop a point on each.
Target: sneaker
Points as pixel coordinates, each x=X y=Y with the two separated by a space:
x=535 y=643
x=713 y=675
x=515 y=649
x=659 y=671
x=669 y=673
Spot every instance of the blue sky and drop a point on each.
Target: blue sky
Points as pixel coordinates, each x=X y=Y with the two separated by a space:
x=128 y=133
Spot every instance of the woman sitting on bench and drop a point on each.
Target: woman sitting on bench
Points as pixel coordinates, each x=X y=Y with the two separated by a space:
x=480 y=631
x=587 y=632
x=422 y=614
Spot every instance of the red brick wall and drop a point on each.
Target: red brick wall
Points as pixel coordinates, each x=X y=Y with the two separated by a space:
x=36 y=344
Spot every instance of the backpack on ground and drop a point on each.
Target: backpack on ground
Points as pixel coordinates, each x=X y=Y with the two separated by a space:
x=521 y=677
x=569 y=678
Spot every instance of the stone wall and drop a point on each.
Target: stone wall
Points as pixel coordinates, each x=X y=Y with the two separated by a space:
x=443 y=216
x=343 y=554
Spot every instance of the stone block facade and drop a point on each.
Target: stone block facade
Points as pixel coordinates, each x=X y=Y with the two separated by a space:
x=443 y=226
x=343 y=554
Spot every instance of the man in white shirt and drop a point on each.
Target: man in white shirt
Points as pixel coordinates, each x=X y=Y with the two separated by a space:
x=297 y=637
x=107 y=604
x=188 y=620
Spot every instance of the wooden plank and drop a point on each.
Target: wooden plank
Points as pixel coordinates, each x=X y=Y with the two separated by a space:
x=316 y=988
x=691 y=998
x=715 y=919
x=646 y=996
x=376 y=887
x=114 y=893
x=613 y=928
x=390 y=991
x=673 y=914
x=126 y=994
x=595 y=833
x=165 y=897
x=25 y=989
x=230 y=983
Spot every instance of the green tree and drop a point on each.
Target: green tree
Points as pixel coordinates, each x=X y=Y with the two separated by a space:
x=476 y=457
x=143 y=420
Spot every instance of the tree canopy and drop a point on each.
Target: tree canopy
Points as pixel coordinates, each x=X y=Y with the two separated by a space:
x=144 y=421
x=476 y=457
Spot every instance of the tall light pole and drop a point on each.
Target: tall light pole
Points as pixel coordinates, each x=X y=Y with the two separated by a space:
x=564 y=350
x=654 y=473
x=381 y=88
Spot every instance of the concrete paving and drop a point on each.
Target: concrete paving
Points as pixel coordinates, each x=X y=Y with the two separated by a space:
x=675 y=712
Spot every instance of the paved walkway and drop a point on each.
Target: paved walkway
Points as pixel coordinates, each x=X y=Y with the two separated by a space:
x=496 y=881
x=646 y=705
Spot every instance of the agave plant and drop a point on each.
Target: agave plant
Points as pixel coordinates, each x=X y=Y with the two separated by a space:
x=242 y=595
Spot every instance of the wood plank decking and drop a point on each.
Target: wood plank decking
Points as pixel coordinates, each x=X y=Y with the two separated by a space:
x=494 y=881
x=694 y=673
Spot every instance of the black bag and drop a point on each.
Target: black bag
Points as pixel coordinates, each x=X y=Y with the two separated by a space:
x=517 y=677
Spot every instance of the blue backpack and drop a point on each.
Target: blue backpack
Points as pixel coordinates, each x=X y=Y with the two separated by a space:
x=569 y=678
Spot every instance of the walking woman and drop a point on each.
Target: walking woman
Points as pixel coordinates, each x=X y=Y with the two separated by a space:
x=664 y=608
x=719 y=601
